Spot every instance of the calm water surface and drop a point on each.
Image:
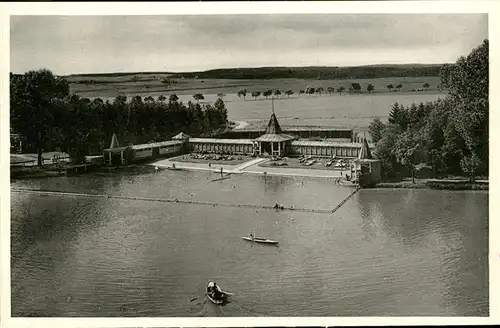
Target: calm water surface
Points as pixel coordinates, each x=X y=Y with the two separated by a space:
x=384 y=253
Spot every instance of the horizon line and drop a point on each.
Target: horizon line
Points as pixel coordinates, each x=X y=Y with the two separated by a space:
x=245 y=67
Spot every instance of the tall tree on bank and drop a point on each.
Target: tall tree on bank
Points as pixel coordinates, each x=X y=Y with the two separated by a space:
x=376 y=129
x=399 y=116
x=32 y=98
x=450 y=134
x=468 y=86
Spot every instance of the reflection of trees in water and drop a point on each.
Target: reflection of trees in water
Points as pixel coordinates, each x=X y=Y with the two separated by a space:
x=365 y=201
x=408 y=216
x=39 y=218
x=464 y=258
x=451 y=227
x=43 y=232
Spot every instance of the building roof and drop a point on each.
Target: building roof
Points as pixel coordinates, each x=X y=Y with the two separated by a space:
x=181 y=136
x=326 y=143
x=114 y=142
x=274 y=132
x=268 y=137
x=273 y=127
x=221 y=141
x=145 y=146
x=156 y=144
x=365 y=150
x=295 y=129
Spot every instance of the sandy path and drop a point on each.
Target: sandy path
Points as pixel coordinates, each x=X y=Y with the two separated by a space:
x=241 y=125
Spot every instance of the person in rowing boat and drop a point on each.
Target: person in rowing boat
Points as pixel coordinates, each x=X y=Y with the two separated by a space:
x=215 y=292
x=252 y=236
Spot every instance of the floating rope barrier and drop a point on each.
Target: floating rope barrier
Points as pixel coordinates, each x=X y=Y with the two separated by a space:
x=164 y=200
x=223 y=178
x=345 y=200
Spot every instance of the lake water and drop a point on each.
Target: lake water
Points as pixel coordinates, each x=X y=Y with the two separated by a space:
x=384 y=253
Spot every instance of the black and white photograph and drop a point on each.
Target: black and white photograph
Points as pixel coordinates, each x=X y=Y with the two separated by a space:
x=247 y=165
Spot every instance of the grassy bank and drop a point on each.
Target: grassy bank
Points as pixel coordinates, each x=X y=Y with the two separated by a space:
x=439 y=184
x=34 y=172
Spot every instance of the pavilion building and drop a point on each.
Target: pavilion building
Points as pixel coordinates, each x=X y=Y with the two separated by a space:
x=274 y=142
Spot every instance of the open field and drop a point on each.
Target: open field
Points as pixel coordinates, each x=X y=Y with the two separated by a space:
x=345 y=110
x=342 y=111
x=151 y=85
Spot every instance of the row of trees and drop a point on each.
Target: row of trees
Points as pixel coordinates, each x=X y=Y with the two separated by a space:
x=399 y=86
x=46 y=116
x=449 y=135
x=353 y=88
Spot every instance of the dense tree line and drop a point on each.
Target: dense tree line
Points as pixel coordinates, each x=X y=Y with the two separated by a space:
x=314 y=72
x=449 y=135
x=322 y=73
x=47 y=116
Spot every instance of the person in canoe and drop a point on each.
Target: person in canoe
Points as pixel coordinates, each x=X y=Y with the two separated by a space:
x=252 y=236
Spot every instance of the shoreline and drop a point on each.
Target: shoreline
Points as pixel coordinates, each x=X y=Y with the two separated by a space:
x=253 y=167
x=435 y=184
x=246 y=168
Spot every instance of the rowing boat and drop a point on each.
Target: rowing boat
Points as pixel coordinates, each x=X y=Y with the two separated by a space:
x=211 y=295
x=261 y=240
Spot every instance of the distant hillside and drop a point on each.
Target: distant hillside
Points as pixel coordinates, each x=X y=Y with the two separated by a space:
x=313 y=72
x=318 y=72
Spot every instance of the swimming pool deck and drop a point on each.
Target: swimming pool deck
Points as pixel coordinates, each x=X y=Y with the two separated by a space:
x=250 y=167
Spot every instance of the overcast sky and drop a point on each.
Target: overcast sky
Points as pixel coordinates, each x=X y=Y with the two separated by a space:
x=91 y=44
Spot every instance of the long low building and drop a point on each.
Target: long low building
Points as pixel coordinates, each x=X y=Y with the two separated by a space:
x=212 y=145
x=116 y=155
x=273 y=142
x=326 y=148
x=296 y=131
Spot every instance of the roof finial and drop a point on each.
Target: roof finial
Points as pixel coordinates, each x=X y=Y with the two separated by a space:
x=272 y=102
